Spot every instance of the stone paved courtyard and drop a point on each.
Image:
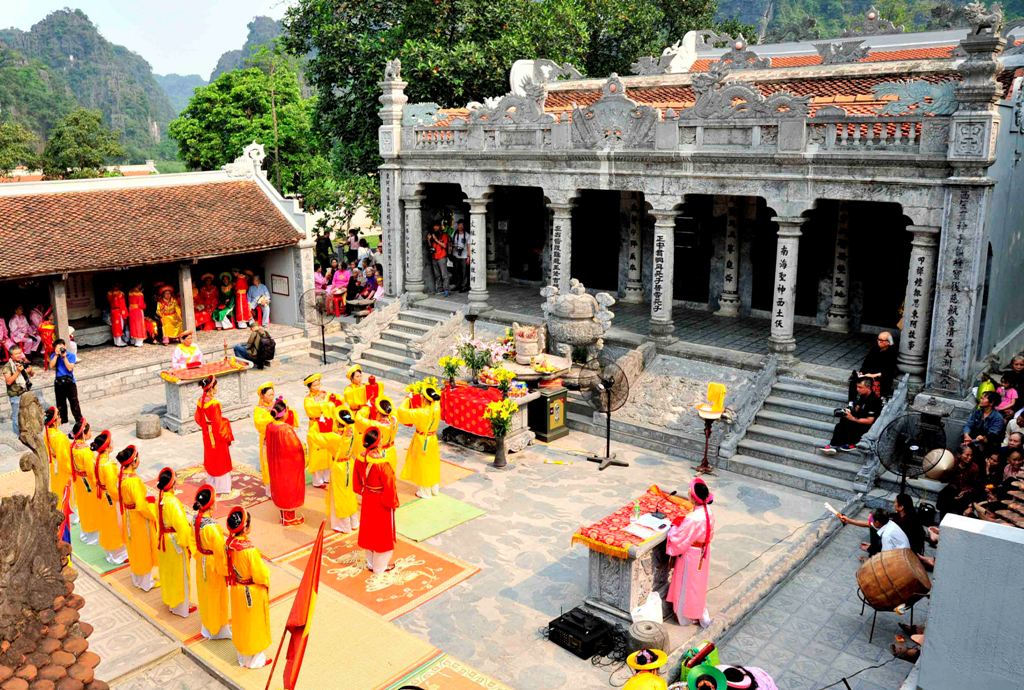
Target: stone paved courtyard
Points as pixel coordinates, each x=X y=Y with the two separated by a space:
x=528 y=570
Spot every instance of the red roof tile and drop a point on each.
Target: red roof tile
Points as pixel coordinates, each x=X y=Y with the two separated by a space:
x=933 y=53
x=67 y=232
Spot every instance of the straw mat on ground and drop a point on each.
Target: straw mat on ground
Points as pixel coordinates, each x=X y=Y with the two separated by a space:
x=421 y=519
x=450 y=473
x=273 y=539
x=246 y=488
x=91 y=555
x=448 y=673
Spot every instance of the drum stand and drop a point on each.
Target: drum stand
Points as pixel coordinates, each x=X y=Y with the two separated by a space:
x=874 y=615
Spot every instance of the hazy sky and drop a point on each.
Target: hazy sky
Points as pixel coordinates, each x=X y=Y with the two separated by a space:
x=182 y=36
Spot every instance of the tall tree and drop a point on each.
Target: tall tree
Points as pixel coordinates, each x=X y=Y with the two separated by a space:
x=80 y=146
x=17 y=147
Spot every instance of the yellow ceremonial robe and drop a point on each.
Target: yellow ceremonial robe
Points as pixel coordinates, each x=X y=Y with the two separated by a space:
x=58 y=448
x=340 y=494
x=111 y=538
x=138 y=523
x=261 y=418
x=423 y=460
x=250 y=600
x=322 y=444
x=355 y=396
x=388 y=427
x=84 y=462
x=173 y=548
x=211 y=576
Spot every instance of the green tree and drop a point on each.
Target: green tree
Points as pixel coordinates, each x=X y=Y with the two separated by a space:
x=80 y=146
x=247 y=105
x=17 y=147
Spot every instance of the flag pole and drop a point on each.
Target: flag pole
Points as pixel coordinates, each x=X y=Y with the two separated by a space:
x=276 y=657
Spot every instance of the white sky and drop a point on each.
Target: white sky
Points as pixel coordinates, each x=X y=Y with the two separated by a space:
x=174 y=36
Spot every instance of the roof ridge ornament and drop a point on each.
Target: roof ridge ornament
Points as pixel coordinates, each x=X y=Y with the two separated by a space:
x=717 y=100
x=741 y=57
x=540 y=71
x=249 y=164
x=613 y=121
x=917 y=96
x=981 y=20
x=514 y=109
x=873 y=25
x=841 y=52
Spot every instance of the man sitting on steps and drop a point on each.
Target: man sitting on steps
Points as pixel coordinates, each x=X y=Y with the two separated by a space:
x=855 y=420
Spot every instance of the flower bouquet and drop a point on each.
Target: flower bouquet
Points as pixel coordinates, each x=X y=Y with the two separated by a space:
x=451 y=364
x=417 y=388
x=499 y=414
x=478 y=354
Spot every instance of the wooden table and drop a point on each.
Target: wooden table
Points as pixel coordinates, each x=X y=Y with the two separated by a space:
x=182 y=393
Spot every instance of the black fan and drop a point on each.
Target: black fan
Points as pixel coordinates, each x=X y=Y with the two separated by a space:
x=316 y=311
x=605 y=386
x=905 y=443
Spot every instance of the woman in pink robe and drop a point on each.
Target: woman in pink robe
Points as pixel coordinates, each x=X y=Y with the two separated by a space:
x=690 y=542
x=22 y=331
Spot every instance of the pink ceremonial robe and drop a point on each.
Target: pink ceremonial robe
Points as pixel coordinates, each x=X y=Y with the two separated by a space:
x=688 y=589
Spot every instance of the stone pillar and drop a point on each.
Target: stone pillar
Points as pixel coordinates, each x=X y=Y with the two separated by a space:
x=492 y=248
x=729 y=300
x=781 y=339
x=391 y=229
x=662 y=273
x=188 y=307
x=59 y=302
x=917 y=306
x=561 y=246
x=414 y=248
x=838 y=315
x=477 y=249
x=632 y=215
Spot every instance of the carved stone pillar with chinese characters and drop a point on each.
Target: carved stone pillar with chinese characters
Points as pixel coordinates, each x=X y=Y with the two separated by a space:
x=477 y=251
x=784 y=297
x=632 y=214
x=662 y=273
x=414 y=248
x=838 y=315
x=389 y=139
x=188 y=308
x=561 y=246
x=917 y=306
x=729 y=301
x=492 y=248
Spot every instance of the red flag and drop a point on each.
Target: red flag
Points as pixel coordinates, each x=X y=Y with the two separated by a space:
x=301 y=616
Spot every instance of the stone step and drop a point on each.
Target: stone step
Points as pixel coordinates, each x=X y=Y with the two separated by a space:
x=440 y=307
x=392 y=347
x=397 y=336
x=411 y=327
x=795 y=477
x=680 y=448
x=841 y=465
x=799 y=408
x=387 y=358
x=380 y=370
x=809 y=392
x=425 y=318
x=923 y=488
x=792 y=422
x=805 y=440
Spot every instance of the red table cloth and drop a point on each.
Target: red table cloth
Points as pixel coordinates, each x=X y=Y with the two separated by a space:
x=215 y=368
x=463 y=408
x=608 y=535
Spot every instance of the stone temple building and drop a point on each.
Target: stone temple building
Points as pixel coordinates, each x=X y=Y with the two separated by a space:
x=870 y=181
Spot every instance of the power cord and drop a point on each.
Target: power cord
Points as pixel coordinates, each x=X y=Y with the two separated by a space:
x=776 y=543
x=866 y=668
x=615 y=657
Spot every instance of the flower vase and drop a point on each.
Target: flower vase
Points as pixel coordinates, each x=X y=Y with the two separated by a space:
x=500 y=459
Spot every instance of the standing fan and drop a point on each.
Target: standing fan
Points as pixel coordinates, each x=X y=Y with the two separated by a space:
x=905 y=443
x=316 y=313
x=605 y=386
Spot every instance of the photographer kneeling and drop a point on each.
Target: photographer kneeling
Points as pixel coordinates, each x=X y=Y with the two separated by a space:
x=65 y=387
x=854 y=421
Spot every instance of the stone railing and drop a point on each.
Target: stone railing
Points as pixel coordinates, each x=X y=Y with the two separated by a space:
x=361 y=335
x=761 y=389
x=825 y=134
x=893 y=409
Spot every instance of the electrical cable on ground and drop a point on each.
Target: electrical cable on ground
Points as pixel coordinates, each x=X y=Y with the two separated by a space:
x=866 y=668
x=776 y=543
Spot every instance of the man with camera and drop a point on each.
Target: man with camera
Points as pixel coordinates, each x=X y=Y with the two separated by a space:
x=18 y=373
x=854 y=420
x=65 y=387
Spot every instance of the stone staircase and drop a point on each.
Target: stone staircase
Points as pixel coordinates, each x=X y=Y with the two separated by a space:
x=781 y=444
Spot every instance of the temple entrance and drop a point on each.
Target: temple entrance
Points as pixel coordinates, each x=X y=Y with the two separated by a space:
x=444 y=205
x=518 y=235
x=695 y=228
x=596 y=233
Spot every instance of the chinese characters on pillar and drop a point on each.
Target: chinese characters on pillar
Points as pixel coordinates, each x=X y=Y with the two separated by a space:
x=658 y=285
x=953 y=314
x=782 y=290
x=556 y=252
x=387 y=225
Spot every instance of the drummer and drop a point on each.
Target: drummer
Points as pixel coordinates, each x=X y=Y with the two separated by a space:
x=890 y=535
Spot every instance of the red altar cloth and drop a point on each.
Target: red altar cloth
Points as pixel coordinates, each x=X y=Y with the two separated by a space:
x=216 y=368
x=608 y=536
x=463 y=408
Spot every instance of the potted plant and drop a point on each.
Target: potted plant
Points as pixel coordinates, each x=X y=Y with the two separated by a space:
x=476 y=355
x=504 y=378
x=451 y=364
x=499 y=414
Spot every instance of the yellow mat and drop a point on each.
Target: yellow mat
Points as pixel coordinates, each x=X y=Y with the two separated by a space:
x=450 y=473
x=349 y=648
x=282 y=583
x=273 y=539
x=447 y=673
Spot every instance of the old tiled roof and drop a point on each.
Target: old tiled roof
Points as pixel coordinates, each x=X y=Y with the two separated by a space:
x=931 y=53
x=73 y=231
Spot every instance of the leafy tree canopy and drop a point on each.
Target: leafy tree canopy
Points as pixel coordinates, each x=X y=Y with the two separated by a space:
x=17 y=147
x=79 y=146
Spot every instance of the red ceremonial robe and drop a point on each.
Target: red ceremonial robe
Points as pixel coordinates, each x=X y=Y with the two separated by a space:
x=374 y=479
x=286 y=463
x=242 y=313
x=137 y=315
x=118 y=312
x=217 y=437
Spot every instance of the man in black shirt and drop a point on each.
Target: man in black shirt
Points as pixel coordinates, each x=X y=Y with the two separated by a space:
x=856 y=419
x=879 y=364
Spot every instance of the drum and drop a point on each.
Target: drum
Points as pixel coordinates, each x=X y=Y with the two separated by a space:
x=891 y=578
x=939 y=462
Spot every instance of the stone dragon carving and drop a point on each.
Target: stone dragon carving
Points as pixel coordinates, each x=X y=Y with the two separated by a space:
x=917 y=96
x=873 y=25
x=735 y=100
x=528 y=109
x=542 y=71
x=841 y=52
x=247 y=165
x=614 y=120
x=741 y=57
x=419 y=114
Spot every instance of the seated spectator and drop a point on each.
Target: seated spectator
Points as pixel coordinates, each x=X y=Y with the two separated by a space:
x=904 y=515
x=879 y=364
x=890 y=534
x=370 y=284
x=856 y=419
x=1014 y=441
x=1014 y=466
x=985 y=425
x=990 y=474
x=251 y=350
x=1006 y=392
x=1013 y=377
x=1013 y=426
x=319 y=281
x=956 y=496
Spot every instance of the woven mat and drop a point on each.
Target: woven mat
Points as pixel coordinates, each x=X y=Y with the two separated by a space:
x=450 y=473
x=448 y=673
x=246 y=488
x=91 y=555
x=423 y=518
x=276 y=541
x=419 y=575
x=283 y=583
x=349 y=648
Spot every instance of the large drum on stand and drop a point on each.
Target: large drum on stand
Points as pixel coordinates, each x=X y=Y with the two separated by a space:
x=891 y=578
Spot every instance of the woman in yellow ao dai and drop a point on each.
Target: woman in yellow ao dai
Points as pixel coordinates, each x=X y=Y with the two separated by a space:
x=138 y=520
x=211 y=568
x=174 y=544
